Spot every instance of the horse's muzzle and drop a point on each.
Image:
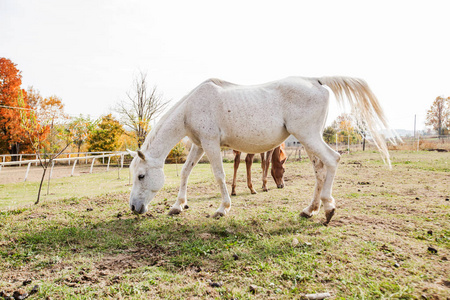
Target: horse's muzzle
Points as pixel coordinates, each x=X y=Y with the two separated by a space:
x=140 y=211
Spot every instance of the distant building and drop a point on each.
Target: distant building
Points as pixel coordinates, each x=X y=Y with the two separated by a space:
x=291 y=141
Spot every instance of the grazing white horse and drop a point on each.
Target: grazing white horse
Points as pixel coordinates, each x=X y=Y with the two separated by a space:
x=252 y=119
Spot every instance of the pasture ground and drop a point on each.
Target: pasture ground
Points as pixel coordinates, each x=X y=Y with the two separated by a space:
x=389 y=239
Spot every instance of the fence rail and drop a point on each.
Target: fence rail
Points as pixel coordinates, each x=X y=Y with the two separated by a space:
x=21 y=157
x=69 y=159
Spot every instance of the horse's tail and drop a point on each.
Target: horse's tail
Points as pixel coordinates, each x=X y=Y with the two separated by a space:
x=365 y=107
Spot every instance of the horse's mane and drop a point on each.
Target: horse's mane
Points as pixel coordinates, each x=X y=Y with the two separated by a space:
x=220 y=82
x=161 y=121
x=154 y=131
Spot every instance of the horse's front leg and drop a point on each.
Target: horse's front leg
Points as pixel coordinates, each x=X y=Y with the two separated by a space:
x=213 y=152
x=194 y=156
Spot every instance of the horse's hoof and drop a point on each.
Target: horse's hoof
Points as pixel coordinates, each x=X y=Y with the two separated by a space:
x=253 y=192
x=186 y=206
x=329 y=215
x=233 y=194
x=218 y=215
x=174 y=211
x=265 y=190
x=305 y=215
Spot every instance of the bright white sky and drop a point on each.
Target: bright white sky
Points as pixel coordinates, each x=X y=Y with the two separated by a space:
x=87 y=52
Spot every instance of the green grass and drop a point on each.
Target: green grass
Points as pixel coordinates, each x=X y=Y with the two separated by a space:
x=106 y=252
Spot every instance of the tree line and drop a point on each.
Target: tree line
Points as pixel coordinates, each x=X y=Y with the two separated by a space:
x=347 y=128
x=31 y=123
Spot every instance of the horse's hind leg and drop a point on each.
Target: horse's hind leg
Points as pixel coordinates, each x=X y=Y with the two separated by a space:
x=248 y=163
x=317 y=147
x=320 y=172
x=214 y=154
x=194 y=156
x=237 y=160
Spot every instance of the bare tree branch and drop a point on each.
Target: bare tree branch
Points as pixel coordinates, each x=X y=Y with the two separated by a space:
x=143 y=104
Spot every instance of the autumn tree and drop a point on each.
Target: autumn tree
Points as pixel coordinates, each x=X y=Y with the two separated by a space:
x=11 y=133
x=34 y=97
x=438 y=116
x=47 y=133
x=81 y=127
x=329 y=135
x=105 y=136
x=143 y=104
x=177 y=152
x=344 y=126
x=50 y=111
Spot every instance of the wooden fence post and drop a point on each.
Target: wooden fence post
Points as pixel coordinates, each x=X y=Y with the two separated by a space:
x=51 y=170
x=28 y=170
x=92 y=165
x=73 y=168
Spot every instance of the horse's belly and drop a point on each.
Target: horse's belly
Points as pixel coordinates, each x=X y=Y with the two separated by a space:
x=254 y=140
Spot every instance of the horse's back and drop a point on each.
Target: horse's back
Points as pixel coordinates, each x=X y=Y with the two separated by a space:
x=249 y=118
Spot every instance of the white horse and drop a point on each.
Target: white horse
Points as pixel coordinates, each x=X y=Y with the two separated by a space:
x=252 y=119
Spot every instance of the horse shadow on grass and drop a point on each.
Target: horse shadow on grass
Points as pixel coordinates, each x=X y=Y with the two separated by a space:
x=173 y=243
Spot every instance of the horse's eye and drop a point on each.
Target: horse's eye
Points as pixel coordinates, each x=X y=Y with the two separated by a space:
x=141 y=177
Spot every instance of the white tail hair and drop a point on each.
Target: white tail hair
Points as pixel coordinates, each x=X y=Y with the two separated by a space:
x=365 y=106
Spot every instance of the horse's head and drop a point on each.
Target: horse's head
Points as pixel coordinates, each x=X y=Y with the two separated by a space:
x=148 y=179
x=278 y=166
x=278 y=175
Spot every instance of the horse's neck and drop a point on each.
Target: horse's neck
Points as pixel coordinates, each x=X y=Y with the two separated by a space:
x=167 y=133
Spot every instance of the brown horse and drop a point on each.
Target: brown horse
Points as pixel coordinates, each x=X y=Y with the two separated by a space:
x=278 y=158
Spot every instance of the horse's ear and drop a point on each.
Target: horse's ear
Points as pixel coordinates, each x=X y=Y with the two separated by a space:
x=141 y=154
x=132 y=153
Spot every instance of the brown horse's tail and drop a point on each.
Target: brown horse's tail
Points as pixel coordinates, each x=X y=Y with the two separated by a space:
x=365 y=107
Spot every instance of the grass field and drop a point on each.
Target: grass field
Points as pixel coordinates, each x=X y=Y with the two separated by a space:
x=389 y=239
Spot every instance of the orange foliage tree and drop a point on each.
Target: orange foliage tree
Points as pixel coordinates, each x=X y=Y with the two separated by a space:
x=48 y=134
x=11 y=133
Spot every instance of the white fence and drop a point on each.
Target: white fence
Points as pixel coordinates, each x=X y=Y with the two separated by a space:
x=68 y=160
x=22 y=158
